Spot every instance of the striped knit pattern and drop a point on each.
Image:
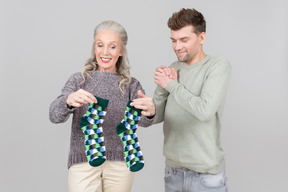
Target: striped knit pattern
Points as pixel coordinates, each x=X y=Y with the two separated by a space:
x=91 y=125
x=127 y=132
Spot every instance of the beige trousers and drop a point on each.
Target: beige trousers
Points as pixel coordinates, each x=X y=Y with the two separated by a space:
x=112 y=176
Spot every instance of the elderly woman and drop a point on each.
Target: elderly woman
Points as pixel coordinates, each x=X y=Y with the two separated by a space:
x=99 y=98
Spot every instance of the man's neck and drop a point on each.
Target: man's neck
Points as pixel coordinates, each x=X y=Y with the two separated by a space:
x=199 y=57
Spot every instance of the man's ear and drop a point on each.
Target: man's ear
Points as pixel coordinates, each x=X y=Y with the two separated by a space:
x=202 y=37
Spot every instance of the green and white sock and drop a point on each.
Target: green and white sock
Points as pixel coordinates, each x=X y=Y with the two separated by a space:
x=91 y=125
x=126 y=130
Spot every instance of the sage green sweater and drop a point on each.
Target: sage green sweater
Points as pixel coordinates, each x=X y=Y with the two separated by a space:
x=191 y=108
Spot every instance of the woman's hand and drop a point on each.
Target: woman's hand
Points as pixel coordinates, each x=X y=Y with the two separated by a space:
x=145 y=103
x=80 y=97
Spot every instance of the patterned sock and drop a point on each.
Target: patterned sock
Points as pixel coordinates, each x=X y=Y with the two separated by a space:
x=91 y=125
x=126 y=130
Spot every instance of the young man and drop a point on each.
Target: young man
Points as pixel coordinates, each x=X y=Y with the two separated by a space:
x=190 y=98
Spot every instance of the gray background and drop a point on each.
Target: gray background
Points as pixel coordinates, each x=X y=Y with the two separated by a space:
x=43 y=42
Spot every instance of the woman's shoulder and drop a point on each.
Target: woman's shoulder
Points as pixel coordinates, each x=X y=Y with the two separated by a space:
x=134 y=83
x=134 y=87
x=134 y=80
x=76 y=75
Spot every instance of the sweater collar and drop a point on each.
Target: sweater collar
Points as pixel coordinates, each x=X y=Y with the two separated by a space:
x=196 y=64
x=104 y=74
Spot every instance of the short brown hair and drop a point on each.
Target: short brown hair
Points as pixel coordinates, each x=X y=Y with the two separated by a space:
x=186 y=17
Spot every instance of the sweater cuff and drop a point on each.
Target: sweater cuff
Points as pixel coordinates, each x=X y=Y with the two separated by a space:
x=148 y=121
x=64 y=107
x=171 y=85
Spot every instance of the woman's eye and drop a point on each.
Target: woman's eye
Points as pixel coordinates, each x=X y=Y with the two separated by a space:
x=99 y=45
x=113 y=47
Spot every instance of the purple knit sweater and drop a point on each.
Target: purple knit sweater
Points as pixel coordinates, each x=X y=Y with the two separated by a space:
x=104 y=85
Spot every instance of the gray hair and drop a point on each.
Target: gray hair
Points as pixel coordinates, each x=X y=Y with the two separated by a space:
x=122 y=65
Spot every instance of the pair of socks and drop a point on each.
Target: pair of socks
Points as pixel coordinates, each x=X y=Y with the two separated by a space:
x=91 y=125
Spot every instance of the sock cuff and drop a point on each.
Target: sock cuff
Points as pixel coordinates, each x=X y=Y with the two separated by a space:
x=132 y=107
x=102 y=102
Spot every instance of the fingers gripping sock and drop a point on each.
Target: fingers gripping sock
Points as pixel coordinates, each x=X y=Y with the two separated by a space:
x=91 y=125
x=126 y=130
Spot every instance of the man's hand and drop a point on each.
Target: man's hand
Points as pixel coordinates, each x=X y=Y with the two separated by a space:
x=164 y=75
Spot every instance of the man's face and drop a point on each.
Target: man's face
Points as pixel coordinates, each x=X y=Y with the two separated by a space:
x=186 y=44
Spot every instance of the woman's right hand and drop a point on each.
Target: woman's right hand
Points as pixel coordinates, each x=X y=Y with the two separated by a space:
x=80 y=97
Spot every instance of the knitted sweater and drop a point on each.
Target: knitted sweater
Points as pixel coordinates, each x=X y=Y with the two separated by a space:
x=191 y=108
x=106 y=86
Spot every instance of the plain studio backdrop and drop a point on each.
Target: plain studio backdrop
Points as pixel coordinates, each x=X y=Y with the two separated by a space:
x=44 y=42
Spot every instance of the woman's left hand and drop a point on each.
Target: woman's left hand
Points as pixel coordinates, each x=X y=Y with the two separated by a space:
x=145 y=103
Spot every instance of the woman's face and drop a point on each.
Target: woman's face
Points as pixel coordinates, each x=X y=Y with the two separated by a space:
x=107 y=50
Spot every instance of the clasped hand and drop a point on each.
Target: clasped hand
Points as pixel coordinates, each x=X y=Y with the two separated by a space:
x=164 y=75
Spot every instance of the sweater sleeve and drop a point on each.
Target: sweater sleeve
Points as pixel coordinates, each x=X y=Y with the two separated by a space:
x=134 y=87
x=58 y=111
x=160 y=99
x=212 y=94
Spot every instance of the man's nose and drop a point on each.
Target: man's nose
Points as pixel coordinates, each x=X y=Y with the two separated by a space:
x=178 y=46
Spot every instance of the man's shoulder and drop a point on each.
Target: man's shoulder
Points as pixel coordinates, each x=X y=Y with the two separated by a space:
x=219 y=63
x=217 y=59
